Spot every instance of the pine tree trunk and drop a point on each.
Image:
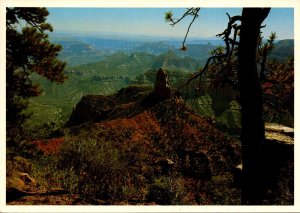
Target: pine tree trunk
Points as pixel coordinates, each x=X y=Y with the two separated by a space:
x=252 y=135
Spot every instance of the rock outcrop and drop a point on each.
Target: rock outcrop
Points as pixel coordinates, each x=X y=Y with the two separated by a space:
x=279 y=163
x=162 y=88
x=279 y=142
x=90 y=108
x=20 y=183
x=95 y=108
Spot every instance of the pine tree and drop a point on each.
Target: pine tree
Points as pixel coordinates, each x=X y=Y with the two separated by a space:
x=28 y=50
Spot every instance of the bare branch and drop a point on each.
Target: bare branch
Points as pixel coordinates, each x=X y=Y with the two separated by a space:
x=219 y=56
x=190 y=12
x=188 y=30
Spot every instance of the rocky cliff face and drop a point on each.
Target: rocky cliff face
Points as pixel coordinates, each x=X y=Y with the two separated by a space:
x=95 y=108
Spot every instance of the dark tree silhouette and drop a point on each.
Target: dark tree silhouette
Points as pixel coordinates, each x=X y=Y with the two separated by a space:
x=252 y=135
x=28 y=50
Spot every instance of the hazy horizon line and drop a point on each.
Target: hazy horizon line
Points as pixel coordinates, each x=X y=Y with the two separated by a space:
x=126 y=35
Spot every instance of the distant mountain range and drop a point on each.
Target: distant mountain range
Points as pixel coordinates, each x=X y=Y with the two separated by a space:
x=78 y=50
x=133 y=64
x=118 y=63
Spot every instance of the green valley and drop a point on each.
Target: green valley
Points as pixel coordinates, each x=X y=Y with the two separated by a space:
x=104 y=72
x=103 y=77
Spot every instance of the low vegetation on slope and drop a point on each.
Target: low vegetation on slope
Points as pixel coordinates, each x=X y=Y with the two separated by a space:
x=133 y=148
x=163 y=153
x=143 y=152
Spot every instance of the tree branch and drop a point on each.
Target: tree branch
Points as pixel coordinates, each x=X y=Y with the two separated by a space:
x=226 y=56
x=191 y=11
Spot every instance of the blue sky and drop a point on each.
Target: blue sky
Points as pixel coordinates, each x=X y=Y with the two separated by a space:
x=150 y=21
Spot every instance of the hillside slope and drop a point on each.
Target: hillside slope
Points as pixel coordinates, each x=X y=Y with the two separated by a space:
x=161 y=139
x=140 y=146
x=283 y=50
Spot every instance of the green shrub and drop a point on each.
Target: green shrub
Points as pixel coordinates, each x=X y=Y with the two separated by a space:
x=45 y=172
x=95 y=167
x=167 y=191
x=222 y=192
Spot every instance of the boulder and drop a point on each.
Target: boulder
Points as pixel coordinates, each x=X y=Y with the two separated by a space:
x=20 y=184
